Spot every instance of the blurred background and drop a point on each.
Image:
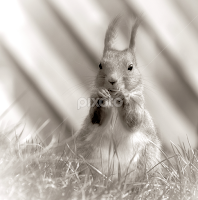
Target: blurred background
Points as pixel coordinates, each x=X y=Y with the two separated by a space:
x=49 y=56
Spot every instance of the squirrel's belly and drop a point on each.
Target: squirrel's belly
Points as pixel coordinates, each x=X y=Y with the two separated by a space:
x=117 y=144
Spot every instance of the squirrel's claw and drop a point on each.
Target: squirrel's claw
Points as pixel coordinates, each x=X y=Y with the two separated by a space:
x=104 y=93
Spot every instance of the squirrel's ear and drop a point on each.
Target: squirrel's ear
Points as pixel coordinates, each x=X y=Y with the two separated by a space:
x=133 y=33
x=111 y=34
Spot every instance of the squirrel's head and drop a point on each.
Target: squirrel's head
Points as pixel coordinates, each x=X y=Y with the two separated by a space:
x=118 y=69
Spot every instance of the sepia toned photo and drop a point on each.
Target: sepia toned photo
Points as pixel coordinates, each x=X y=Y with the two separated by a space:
x=98 y=99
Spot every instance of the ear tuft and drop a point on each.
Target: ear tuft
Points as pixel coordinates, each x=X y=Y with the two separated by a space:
x=134 y=31
x=111 y=33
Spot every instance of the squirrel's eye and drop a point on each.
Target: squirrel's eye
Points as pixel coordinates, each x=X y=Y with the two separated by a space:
x=100 y=66
x=130 y=67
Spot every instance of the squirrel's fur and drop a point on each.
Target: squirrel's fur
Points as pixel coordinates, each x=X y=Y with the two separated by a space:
x=118 y=135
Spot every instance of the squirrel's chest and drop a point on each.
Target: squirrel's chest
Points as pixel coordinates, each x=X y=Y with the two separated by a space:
x=114 y=136
x=114 y=126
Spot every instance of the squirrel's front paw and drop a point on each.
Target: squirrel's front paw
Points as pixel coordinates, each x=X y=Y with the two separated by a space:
x=120 y=98
x=104 y=98
x=103 y=93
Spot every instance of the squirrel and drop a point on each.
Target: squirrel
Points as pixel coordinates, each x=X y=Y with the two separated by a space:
x=118 y=135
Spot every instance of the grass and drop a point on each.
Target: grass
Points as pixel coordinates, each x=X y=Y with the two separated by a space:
x=31 y=171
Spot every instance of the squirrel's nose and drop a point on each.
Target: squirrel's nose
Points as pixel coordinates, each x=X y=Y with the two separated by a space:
x=112 y=82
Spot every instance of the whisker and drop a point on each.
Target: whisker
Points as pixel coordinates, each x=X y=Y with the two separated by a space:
x=151 y=90
x=78 y=86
